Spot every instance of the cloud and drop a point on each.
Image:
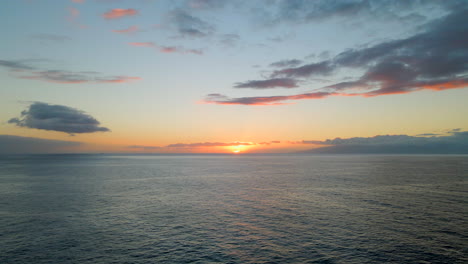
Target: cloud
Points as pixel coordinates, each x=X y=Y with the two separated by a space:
x=266 y=84
x=119 y=13
x=188 y=25
x=129 y=30
x=51 y=37
x=166 y=49
x=57 y=118
x=142 y=147
x=59 y=76
x=229 y=39
x=313 y=69
x=209 y=144
x=457 y=143
x=78 y=1
x=318 y=10
x=270 y=142
x=142 y=44
x=286 y=63
x=206 y=4
x=434 y=59
x=15 y=65
x=73 y=15
x=24 y=145
x=261 y=100
x=67 y=77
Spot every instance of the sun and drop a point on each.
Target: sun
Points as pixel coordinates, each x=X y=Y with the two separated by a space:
x=236 y=151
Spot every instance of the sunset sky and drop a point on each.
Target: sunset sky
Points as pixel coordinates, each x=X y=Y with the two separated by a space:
x=231 y=76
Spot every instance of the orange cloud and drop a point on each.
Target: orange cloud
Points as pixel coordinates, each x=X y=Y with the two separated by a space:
x=119 y=12
x=129 y=30
x=209 y=144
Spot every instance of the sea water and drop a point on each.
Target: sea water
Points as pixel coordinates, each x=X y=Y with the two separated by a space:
x=233 y=209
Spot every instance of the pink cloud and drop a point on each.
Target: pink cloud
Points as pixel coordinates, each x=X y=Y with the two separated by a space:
x=120 y=79
x=129 y=30
x=78 y=1
x=119 y=12
x=142 y=44
x=74 y=13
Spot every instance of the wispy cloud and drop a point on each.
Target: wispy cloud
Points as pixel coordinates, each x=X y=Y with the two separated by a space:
x=435 y=59
x=229 y=39
x=270 y=142
x=58 y=76
x=129 y=30
x=267 y=84
x=294 y=11
x=57 y=118
x=188 y=25
x=206 y=4
x=73 y=15
x=209 y=144
x=286 y=63
x=166 y=49
x=309 y=70
x=25 y=71
x=15 y=65
x=262 y=100
x=119 y=13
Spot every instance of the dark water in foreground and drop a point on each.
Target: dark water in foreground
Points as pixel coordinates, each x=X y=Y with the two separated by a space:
x=233 y=209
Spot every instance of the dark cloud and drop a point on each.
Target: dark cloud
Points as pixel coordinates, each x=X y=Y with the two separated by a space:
x=51 y=37
x=57 y=118
x=428 y=135
x=261 y=100
x=286 y=63
x=453 y=144
x=434 y=59
x=209 y=144
x=266 y=84
x=313 y=69
x=23 y=145
x=188 y=25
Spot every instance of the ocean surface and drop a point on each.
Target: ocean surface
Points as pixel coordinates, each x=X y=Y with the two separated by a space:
x=233 y=209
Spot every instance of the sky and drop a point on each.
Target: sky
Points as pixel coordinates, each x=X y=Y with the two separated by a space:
x=233 y=76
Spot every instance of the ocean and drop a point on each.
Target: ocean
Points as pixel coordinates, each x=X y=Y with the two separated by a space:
x=233 y=209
